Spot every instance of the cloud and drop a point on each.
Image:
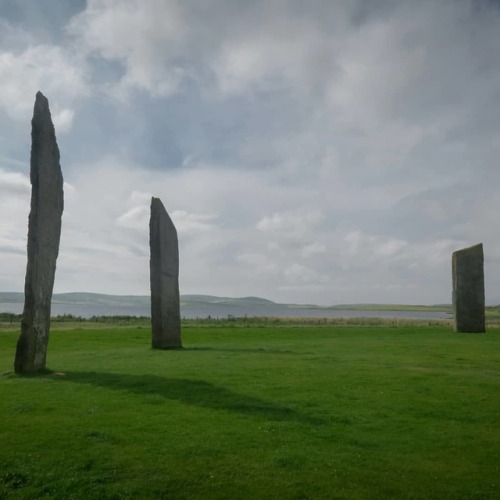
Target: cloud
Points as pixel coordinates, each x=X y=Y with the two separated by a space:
x=258 y=264
x=189 y=223
x=135 y=218
x=297 y=273
x=338 y=152
x=293 y=223
x=15 y=196
x=313 y=249
x=285 y=55
x=143 y=36
x=14 y=182
x=49 y=69
x=63 y=119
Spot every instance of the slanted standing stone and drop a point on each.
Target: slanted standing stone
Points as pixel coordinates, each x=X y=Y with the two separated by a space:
x=468 y=289
x=164 y=277
x=44 y=232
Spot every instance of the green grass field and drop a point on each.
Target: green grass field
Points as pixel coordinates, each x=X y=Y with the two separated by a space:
x=318 y=412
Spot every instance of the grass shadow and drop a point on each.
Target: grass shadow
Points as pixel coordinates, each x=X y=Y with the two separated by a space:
x=193 y=392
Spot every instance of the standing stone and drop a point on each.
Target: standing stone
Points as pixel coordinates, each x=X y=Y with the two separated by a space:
x=164 y=277
x=44 y=232
x=468 y=289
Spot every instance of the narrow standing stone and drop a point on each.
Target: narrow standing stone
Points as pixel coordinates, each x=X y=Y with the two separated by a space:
x=164 y=277
x=468 y=289
x=44 y=232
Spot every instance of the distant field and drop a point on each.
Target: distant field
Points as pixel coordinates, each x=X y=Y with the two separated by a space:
x=394 y=307
x=254 y=411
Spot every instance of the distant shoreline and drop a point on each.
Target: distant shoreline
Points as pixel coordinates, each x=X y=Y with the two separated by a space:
x=190 y=300
x=87 y=305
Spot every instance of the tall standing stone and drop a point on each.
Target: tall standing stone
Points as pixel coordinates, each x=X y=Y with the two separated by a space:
x=44 y=232
x=468 y=289
x=164 y=277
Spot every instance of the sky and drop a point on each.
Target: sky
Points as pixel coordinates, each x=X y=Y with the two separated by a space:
x=321 y=152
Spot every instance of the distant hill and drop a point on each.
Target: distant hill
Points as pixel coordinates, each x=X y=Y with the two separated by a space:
x=212 y=299
x=136 y=300
x=100 y=298
x=14 y=297
x=198 y=300
x=82 y=298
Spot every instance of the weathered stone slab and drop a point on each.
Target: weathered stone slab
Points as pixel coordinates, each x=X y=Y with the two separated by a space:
x=164 y=278
x=468 y=289
x=44 y=232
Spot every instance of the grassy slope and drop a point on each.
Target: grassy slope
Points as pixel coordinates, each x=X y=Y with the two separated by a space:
x=393 y=307
x=285 y=412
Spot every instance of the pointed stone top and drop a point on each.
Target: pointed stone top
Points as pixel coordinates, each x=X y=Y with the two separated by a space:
x=41 y=113
x=41 y=102
x=472 y=249
x=157 y=206
x=159 y=210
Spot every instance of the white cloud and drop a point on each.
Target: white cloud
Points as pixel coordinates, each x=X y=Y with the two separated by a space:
x=52 y=70
x=15 y=194
x=161 y=43
x=364 y=250
x=293 y=223
x=372 y=247
x=189 y=223
x=63 y=119
x=284 y=53
x=14 y=182
x=258 y=264
x=142 y=35
x=375 y=66
x=313 y=249
x=297 y=273
x=140 y=197
x=135 y=218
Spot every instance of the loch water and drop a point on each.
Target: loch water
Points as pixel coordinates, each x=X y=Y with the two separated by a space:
x=221 y=311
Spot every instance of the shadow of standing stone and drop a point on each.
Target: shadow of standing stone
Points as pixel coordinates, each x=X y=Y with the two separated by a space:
x=44 y=233
x=164 y=277
x=468 y=289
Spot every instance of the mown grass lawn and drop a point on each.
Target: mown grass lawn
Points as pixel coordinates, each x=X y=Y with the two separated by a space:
x=284 y=412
